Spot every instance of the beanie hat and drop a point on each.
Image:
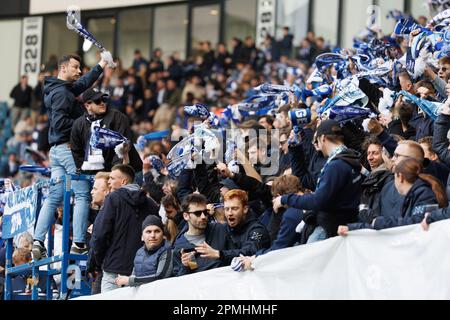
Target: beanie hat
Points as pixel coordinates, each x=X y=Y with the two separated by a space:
x=152 y=220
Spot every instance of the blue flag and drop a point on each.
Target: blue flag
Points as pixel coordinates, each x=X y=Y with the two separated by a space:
x=405 y=26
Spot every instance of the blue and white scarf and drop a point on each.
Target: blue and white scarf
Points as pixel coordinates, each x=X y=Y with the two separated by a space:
x=93 y=160
x=332 y=156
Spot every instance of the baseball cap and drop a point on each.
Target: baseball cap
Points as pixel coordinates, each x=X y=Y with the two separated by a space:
x=229 y=184
x=329 y=128
x=92 y=94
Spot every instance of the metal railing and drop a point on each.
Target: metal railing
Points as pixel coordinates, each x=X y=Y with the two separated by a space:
x=71 y=284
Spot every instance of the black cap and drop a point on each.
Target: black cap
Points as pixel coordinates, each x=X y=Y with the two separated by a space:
x=229 y=184
x=152 y=220
x=92 y=94
x=329 y=128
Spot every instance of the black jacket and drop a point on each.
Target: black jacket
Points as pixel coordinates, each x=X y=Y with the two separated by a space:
x=395 y=127
x=207 y=182
x=22 y=98
x=306 y=162
x=118 y=228
x=113 y=120
x=247 y=238
x=62 y=107
x=440 y=141
x=257 y=191
x=371 y=193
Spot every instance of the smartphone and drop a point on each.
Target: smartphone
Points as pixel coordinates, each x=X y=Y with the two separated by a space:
x=188 y=250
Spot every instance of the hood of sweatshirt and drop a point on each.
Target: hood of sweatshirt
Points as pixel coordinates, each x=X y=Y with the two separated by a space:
x=133 y=195
x=51 y=83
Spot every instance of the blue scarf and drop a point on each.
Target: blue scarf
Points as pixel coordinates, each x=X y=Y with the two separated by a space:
x=93 y=156
x=332 y=156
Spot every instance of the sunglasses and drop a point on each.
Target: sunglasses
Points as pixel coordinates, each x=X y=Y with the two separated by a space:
x=199 y=213
x=97 y=101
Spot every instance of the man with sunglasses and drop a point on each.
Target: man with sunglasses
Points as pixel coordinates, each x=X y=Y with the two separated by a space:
x=199 y=233
x=98 y=113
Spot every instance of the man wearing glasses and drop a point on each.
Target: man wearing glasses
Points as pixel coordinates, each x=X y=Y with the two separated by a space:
x=97 y=113
x=200 y=235
x=390 y=201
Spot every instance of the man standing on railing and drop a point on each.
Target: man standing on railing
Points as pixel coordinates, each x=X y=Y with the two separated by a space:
x=60 y=100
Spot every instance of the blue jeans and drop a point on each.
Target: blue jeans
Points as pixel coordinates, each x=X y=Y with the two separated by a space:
x=62 y=163
x=319 y=234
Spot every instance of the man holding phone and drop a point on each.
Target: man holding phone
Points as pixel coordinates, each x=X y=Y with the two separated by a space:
x=199 y=233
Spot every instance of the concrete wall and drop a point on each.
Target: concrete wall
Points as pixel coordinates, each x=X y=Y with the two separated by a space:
x=48 y=6
x=10 y=39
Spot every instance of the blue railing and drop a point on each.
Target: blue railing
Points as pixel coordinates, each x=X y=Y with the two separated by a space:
x=79 y=287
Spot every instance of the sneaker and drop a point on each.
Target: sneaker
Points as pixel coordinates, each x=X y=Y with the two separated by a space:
x=38 y=251
x=74 y=249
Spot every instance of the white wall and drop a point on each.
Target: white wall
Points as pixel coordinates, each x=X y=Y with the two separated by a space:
x=388 y=25
x=10 y=38
x=354 y=20
x=293 y=14
x=325 y=19
x=48 y=6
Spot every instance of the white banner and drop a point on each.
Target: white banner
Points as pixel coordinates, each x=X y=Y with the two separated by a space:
x=401 y=263
x=265 y=20
x=30 y=58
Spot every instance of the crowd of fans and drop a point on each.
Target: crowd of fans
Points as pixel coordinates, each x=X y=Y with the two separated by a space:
x=377 y=172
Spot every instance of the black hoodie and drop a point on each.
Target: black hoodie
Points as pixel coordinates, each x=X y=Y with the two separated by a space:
x=62 y=107
x=248 y=238
x=118 y=228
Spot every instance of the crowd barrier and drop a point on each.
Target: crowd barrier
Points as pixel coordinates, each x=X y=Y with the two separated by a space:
x=21 y=212
x=401 y=263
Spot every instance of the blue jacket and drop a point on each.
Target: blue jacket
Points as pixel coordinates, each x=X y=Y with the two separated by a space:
x=286 y=236
x=152 y=265
x=335 y=202
x=424 y=127
x=439 y=215
x=62 y=107
x=419 y=195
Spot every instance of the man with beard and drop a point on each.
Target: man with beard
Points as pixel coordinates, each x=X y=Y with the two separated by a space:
x=59 y=98
x=200 y=233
